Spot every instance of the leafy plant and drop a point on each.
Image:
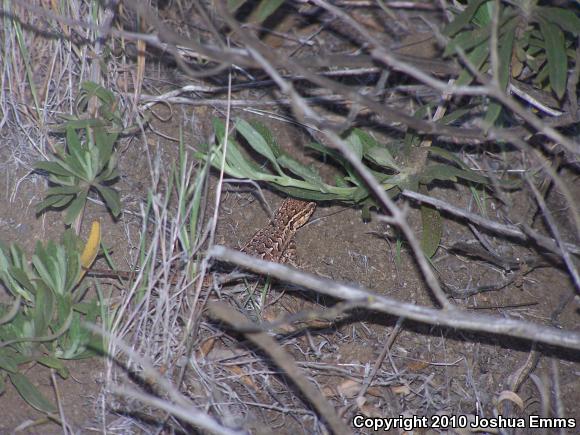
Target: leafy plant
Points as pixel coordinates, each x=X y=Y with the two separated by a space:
x=288 y=175
x=534 y=42
x=89 y=160
x=43 y=325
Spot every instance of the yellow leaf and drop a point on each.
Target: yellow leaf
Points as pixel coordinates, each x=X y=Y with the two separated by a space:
x=91 y=247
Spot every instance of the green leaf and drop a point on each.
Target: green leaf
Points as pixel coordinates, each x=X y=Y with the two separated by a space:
x=71 y=270
x=240 y=163
x=506 y=43
x=448 y=156
x=366 y=206
x=236 y=164
x=257 y=142
x=79 y=162
x=21 y=277
x=55 y=262
x=104 y=142
x=354 y=142
x=405 y=181
x=445 y=172
x=30 y=393
x=457 y=114
x=325 y=151
x=505 y=49
x=567 y=20
x=56 y=201
x=94 y=89
x=432 y=230
x=8 y=315
x=109 y=175
x=313 y=195
x=64 y=308
x=360 y=193
x=11 y=280
x=463 y=19
x=467 y=40
x=477 y=57
x=541 y=76
x=72 y=138
x=233 y=5
x=54 y=363
x=42 y=264
x=219 y=129
x=43 y=310
x=53 y=168
x=268 y=137
x=303 y=171
x=75 y=208
x=7 y=362
x=382 y=157
x=267 y=8
x=18 y=257
x=83 y=123
x=375 y=151
x=556 y=55
x=74 y=145
x=368 y=142
x=340 y=181
x=63 y=190
x=411 y=137
x=63 y=181
x=484 y=14
x=72 y=166
x=216 y=161
x=111 y=198
x=493 y=112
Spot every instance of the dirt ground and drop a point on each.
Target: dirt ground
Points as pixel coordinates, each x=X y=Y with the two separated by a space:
x=336 y=244
x=428 y=370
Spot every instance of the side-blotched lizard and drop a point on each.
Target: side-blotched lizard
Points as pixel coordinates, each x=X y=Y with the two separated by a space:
x=275 y=242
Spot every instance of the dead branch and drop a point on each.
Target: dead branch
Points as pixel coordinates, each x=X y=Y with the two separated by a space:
x=456 y=318
x=222 y=312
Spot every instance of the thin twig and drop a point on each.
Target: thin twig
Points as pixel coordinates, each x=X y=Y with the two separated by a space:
x=507 y=230
x=379 y=362
x=556 y=232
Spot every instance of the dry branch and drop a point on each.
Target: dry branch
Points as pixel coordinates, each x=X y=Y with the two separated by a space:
x=455 y=318
x=222 y=312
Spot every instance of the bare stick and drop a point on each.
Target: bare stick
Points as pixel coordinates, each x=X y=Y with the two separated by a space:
x=450 y=318
x=224 y=313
